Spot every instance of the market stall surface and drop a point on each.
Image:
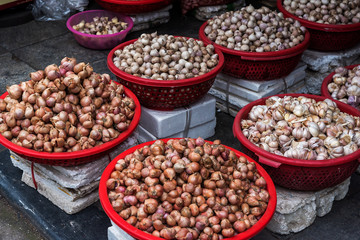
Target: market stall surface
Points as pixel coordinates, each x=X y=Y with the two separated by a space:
x=34 y=45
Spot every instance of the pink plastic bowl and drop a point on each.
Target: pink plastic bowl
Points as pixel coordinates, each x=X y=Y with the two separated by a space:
x=98 y=41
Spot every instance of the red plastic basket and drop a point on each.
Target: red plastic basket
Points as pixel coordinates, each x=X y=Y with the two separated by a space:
x=78 y=157
x=327 y=37
x=328 y=80
x=259 y=66
x=307 y=175
x=140 y=235
x=133 y=7
x=163 y=94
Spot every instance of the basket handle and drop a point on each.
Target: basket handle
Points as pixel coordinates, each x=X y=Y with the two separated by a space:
x=269 y=162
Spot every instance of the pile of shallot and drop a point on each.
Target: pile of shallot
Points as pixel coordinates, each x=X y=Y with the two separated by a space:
x=165 y=57
x=188 y=189
x=101 y=26
x=254 y=30
x=325 y=11
x=301 y=128
x=345 y=86
x=65 y=108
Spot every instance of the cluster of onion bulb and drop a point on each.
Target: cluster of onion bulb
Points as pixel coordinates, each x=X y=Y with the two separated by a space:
x=65 y=108
x=188 y=189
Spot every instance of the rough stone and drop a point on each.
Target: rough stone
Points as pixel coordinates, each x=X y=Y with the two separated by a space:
x=326 y=61
x=314 y=81
x=297 y=210
x=59 y=196
x=295 y=222
x=82 y=175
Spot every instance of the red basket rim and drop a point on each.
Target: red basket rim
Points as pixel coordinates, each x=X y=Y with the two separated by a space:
x=328 y=79
x=255 y=55
x=81 y=153
x=292 y=161
x=162 y=83
x=114 y=216
x=319 y=26
x=137 y=2
x=125 y=18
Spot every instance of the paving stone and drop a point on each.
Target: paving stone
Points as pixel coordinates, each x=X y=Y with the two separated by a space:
x=42 y=54
x=297 y=210
x=55 y=193
x=358 y=170
x=100 y=66
x=15 y=37
x=314 y=81
x=168 y=123
x=205 y=131
x=3 y=51
x=326 y=61
x=12 y=71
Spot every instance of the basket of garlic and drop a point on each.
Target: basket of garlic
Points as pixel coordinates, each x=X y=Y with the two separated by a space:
x=258 y=44
x=344 y=85
x=305 y=142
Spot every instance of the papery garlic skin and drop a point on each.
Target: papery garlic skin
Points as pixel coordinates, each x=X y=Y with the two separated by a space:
x=301 y=128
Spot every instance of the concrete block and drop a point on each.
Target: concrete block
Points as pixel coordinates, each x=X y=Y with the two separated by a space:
x=71 y=193
x=296 y=222
x=296 y=210
x=167 y=123
x=205 y=130
x=59 y=196
x=326 y=61
x=78 y=176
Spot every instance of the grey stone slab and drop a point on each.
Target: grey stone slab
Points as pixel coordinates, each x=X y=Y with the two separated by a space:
x=12 y=71
x=51 y=51
x=15 y=37
x=3 y=51
x=100 y=66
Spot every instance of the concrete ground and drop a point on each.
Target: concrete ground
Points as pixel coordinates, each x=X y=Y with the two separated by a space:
x=14 y=225
x=24 y=214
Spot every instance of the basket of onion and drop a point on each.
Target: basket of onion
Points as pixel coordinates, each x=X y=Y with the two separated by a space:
x=344 y=85
x=305 y=142
x=258 y=44
x=165 y=71
x=66 y=115
x=187 y=189
x=333 y=25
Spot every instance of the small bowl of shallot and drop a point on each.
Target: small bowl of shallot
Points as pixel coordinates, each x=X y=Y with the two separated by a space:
x=99 y=29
